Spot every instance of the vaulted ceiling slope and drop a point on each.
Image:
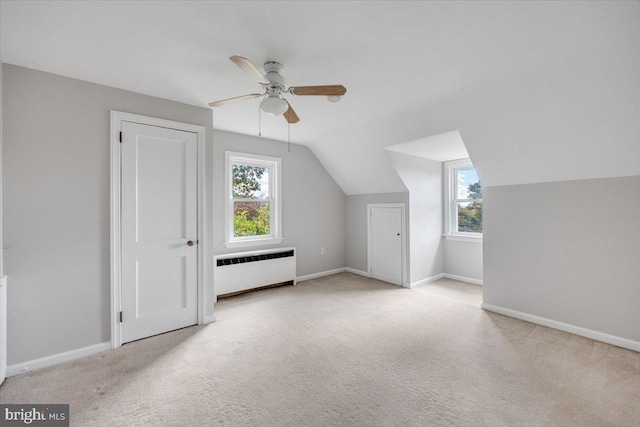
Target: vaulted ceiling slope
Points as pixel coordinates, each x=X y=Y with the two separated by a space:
x=540 y=91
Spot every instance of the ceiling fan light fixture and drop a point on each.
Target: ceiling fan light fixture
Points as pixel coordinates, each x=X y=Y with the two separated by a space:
x=334 y=98
x=274 y=105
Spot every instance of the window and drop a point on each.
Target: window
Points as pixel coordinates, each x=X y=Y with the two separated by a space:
x=464 y=200
x=253 y=204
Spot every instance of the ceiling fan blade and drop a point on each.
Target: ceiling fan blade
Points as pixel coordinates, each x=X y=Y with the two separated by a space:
x=250 y=69
x=291 y=115
x=334 y=90
x=231 y=100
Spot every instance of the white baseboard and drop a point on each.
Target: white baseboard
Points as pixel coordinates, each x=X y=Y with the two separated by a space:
x=321 y=274
x=209 y=318
x=576 y=330
x=463 y=279
x=358 y=272
x=55 y=359
x=425 y=281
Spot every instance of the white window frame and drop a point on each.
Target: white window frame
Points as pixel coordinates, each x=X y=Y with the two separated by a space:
x=450 y=203
x=274 y=165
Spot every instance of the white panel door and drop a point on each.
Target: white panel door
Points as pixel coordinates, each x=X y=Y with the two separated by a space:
x=159 y=230
x=385 y=242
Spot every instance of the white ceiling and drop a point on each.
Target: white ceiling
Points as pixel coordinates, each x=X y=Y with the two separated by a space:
x=534 y=88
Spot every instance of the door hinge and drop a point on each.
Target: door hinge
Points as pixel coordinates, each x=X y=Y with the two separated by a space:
x=120 y=317
x=120 y=136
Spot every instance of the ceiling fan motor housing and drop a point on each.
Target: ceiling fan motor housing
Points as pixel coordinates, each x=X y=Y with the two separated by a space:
x=272 y=73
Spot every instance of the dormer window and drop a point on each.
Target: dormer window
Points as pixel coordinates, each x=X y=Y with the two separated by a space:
x=463 y=204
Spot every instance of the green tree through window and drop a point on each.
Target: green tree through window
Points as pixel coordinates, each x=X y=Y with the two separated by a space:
x=246 y=180
x=470 y=212
x=251 y=204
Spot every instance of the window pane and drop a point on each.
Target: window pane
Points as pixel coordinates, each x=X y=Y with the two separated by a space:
x=467 y=184
x=250 y=182
x=470 y=217
x=251 y=219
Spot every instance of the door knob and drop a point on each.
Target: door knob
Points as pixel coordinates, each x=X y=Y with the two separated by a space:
x=190 y=243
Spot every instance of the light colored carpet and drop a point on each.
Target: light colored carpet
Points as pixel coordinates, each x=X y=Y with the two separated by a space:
x=455 y=290
x=345 y=350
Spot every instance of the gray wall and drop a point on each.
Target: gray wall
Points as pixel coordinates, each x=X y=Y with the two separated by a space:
x=313 y=205
x=463 y=259
x=357 y=224
x=56 y=214
x=566 y=251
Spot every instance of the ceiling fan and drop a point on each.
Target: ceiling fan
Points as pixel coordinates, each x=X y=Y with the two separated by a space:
x=274 y=86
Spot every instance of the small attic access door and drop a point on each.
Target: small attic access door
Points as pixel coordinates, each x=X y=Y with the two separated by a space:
x=386 y=242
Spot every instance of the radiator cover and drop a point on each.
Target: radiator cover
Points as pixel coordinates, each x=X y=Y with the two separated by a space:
x=248 y=270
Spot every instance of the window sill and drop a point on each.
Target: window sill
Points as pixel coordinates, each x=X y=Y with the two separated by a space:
x=459 y=238
x=254 y=242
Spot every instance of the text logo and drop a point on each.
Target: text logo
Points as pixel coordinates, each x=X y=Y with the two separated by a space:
x=56 y=415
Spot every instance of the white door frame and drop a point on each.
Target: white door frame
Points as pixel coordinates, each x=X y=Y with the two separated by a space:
x=403 y=232
x=117 y=117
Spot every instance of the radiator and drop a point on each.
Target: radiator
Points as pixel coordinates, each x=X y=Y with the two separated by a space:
x=250 y=270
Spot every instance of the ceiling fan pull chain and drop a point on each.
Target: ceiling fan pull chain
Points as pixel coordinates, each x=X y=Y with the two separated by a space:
x=259 y=121
x=289 y=137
